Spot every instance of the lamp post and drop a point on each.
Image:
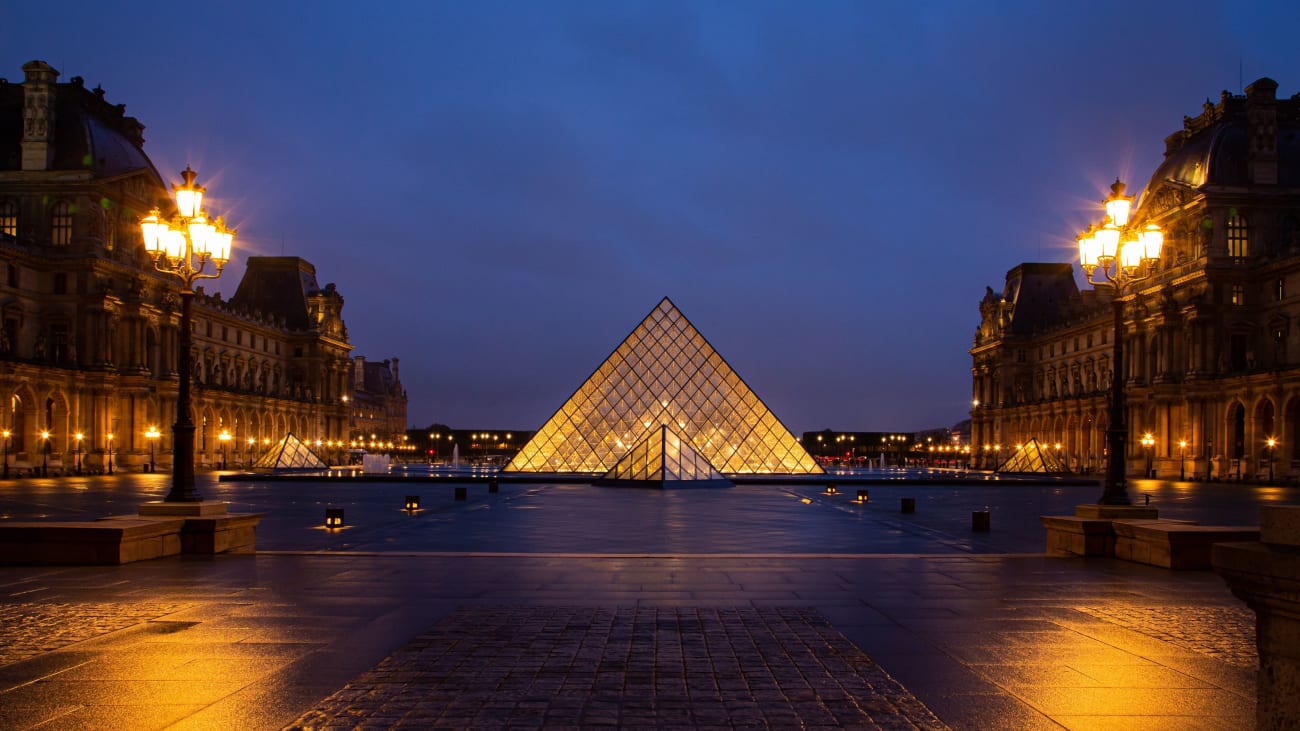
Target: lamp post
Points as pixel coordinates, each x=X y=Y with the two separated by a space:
x=78 y=436
x=45 y=453
x=152 y=435
x=5 y=447
x=1272 y=443
x=249 y=454
x=1122 y=254
x=224 y=437
x=1149 y=442
x=1182 y=459
x=109 y=439
x=182 y=247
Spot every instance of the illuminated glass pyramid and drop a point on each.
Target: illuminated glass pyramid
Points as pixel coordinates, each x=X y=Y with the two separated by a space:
x=665 y=459
x=1032 y=457
x=290 y=453
x=664 y=374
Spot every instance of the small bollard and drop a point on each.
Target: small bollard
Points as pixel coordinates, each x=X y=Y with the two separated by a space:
x=830 y=489
x=909 y=505
x=460 y=493
x=412 y=503
x=863 y=496
x=979 y=521
x=493 y=486
x=333 y=517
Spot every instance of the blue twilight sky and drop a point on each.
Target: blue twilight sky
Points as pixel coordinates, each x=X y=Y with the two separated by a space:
x=502 y=190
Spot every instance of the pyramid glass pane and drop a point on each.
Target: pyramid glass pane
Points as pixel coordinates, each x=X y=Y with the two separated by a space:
x=1033 y=457
x=664 y=374
x=290 y=453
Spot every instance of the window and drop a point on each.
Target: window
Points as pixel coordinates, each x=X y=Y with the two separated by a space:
x=1238 y=296
x=8 y=218
x=60 y=283
x=224 y=333
x=1280 y=292
x=12 y=275
x=1089 y=340
x=1238 y=235
x=61 y=224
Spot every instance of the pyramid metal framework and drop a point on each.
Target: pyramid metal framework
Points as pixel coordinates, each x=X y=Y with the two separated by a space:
x=664 y=374
x=664 y=458
x=1032 y=457
x=290 y=453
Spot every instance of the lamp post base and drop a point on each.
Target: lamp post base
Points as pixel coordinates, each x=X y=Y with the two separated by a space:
x=199 y=508
x=1115 y=512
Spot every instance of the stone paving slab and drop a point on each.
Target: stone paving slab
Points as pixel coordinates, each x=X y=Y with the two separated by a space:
x=1227 y=633
x=533 y=667
x=30 y=629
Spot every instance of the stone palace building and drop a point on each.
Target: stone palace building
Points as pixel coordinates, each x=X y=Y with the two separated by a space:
x=1211 y=339
x=89 y=330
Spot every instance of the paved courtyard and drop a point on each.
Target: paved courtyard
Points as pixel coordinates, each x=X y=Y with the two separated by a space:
x=754 y=607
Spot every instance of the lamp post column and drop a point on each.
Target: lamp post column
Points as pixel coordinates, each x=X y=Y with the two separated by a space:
x=183 y=430
x=1115 y=490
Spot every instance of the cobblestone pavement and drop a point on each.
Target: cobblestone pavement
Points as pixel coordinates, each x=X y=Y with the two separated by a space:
x=532 y=667
x=1227 y=633
x=29 y=629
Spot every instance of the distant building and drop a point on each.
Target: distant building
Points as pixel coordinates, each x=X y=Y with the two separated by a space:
x=1211 y=339
x=847 y=448
x=88 y=328
x=377 y=411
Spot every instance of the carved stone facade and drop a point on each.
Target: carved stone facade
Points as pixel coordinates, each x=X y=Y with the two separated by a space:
x=89 y=331
x=378 y=408
x=1211 y=340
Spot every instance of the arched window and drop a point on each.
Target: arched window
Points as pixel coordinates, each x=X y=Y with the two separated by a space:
x=61 y=224
x=8 y=218
x=1238 y=235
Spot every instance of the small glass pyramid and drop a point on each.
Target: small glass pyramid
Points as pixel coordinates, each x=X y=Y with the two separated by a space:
x=666 y=460
x=1032 y=457
x=664 y=373
x=290 y=453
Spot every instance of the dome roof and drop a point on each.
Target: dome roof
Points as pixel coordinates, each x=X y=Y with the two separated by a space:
x=88 y=132
x=1214 y=147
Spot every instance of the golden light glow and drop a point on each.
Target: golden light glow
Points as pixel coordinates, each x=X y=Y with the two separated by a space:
x=45 y=435
x=78 y=436
x=1118 y=205
x=152 y=433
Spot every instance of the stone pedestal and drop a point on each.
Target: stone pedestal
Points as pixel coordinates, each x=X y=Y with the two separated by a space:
x=1266 y=575
x=202 y=508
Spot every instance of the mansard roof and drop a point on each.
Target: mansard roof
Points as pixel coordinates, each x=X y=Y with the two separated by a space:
x=89 y=132
x=278 y=286
x=1214 y=147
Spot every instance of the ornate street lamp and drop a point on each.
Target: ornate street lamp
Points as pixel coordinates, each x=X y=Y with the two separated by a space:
x=152 y=435
x=109 y=439
x=5 y=447
x=45 y=453
x=1182 y=459
x=78 y=436
x=1123 y=255
x=1272 y=443
x=1148 y=441
x=182 y=247
x=224 y=437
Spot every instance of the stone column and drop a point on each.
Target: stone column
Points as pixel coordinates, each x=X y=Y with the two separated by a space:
x=1266 y=575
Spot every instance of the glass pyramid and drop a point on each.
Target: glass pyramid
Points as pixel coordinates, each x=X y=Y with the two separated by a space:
x=290 y=453
x=1032 y=457
x=665 y=459
x=664 y=373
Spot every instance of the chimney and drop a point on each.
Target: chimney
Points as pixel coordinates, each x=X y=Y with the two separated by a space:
x=359 y=373
x=395 y=378
x=1261 y=131
x=38 y=115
